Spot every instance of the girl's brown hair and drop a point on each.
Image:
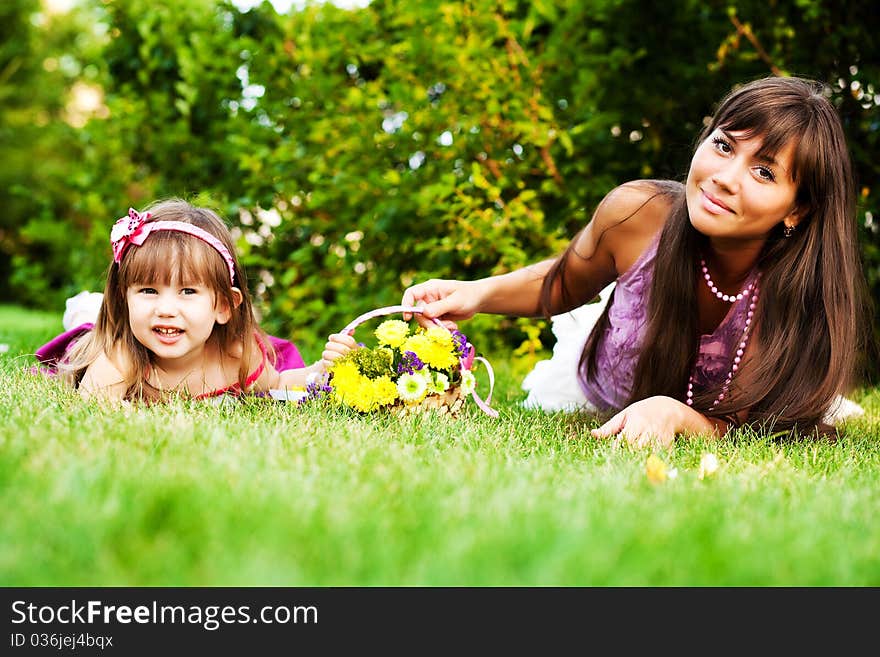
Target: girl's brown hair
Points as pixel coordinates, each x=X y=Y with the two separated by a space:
x=170 y=257
x=812 y=320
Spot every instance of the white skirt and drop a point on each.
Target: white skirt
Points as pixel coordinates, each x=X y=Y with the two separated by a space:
x=81 y=308
x=553 y=384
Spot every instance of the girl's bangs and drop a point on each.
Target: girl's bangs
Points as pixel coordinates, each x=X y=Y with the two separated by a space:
x=170 y=258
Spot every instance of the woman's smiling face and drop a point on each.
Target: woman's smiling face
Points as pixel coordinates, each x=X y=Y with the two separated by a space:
x=736 y=193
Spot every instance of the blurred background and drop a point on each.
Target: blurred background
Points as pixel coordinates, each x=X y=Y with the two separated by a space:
x=358 y=147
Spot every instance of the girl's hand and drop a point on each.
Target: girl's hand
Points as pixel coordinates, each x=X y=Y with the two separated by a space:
x=655 y=421
x=336 y=347
x=446 y=300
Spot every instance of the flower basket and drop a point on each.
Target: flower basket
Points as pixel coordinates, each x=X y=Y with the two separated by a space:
x=408 y=371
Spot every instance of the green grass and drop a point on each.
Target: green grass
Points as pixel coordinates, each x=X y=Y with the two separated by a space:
x=263 y=493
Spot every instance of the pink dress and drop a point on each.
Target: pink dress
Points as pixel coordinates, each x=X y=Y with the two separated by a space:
x=287 y=357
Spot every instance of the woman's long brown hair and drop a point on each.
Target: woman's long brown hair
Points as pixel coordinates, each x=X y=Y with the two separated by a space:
x=812 y=320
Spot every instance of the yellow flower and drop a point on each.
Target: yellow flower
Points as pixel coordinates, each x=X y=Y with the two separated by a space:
x=392 y=332
x=348 y=384
x=655 y=468
x=350 y=387
x=384 y=391
x=361 y=399
x=417 y=344
x=708 y=465
x=440 y=337
x=346 y=376
x=430 y=352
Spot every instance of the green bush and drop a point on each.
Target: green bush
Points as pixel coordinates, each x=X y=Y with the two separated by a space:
x=355 y=152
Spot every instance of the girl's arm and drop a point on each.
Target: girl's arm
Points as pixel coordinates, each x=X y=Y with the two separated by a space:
x=104 y=380
x=337 y=346
x=657 y=420
x=299 y=377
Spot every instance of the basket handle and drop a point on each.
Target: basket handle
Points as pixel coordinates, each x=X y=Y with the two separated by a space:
x=381 y=312
x=393 y=310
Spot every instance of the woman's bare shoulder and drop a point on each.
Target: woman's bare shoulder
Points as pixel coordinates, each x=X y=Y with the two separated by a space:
x=633 y=204
x=631 y=215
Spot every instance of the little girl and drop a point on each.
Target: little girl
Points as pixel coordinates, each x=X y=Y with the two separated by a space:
x=176 y=318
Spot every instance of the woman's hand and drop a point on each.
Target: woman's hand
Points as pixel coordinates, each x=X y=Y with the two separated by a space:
x=656 y=421
x=336 y=347
x=446 y=300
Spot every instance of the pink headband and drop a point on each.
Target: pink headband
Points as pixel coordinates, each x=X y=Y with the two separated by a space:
x=135 y=229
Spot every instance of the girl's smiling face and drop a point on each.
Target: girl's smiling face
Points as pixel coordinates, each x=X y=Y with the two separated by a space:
x=735 y=192
x=173 y=321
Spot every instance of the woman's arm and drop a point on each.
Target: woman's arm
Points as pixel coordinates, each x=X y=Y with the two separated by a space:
x=621 y=228
x=656 y=421
x=516 y=293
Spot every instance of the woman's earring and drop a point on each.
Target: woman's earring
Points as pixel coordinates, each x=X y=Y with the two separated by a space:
x=788 y=231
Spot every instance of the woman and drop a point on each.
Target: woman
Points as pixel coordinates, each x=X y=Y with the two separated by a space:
x=739 y=294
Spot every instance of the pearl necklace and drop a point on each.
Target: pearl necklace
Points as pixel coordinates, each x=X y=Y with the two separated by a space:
x=714 y=288
x=740 y=350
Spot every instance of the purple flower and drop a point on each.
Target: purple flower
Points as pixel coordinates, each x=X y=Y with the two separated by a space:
x=410 y=363
x=316 y=390
x=460 y=341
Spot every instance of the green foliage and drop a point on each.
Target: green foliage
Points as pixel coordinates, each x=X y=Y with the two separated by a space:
x=358 y=151
x=41 y=234
x=372 y=363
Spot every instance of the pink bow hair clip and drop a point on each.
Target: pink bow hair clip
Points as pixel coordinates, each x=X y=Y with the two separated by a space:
x=125 y=231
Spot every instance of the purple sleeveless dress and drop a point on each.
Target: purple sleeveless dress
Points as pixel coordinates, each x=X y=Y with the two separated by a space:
x=620 y=344
x=287 y=356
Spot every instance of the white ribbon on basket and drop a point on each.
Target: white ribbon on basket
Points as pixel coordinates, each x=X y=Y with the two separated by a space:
x=466 y=361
